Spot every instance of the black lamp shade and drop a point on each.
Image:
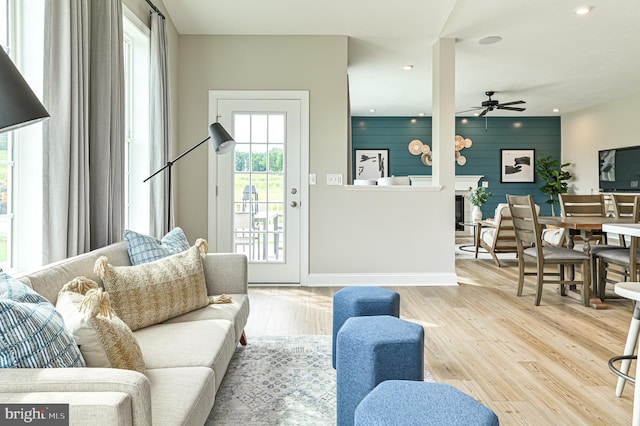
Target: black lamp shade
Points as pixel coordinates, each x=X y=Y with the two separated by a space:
x=19 y=106
x=222 y=141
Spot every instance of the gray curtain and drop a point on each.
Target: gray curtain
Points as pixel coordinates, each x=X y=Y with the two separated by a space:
x=160 y=134
x=83 y=160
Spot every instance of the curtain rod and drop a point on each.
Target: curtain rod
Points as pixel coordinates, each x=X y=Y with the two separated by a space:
x=155 y=8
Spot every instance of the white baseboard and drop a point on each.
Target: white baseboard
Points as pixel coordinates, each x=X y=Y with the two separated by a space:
x=388 y=280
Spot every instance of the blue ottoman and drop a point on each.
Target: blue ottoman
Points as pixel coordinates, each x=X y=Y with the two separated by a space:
x=370 y=350
x=406 y=403
x=359 y=302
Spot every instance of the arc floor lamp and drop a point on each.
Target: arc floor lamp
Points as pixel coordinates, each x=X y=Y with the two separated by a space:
x=19 y=106
x=222 y=143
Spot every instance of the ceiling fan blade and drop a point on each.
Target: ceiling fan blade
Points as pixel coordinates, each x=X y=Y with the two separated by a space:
x=469 y=110
x=483 y=113
x=511 y=108
x=513 y=103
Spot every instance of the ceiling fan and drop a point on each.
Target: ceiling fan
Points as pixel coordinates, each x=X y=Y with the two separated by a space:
x=492 y=104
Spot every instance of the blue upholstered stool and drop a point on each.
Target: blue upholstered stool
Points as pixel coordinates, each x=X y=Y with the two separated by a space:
x=370 y=350
x=410 y=403
x=359 y=302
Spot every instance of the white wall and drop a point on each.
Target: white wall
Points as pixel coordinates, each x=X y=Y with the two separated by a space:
x=584 y=133
x=392 y=235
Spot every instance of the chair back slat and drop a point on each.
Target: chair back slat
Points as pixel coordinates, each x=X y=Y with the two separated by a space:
x=582 y=205
x=623 y=205
x=525 y=220
x=504 y=238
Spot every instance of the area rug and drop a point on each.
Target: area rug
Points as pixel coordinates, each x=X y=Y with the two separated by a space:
x=279 y=380
x=468 y=252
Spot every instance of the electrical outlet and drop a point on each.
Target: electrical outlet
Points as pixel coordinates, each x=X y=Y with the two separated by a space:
x=334 y=179
x=312 y=178
x=485 y=184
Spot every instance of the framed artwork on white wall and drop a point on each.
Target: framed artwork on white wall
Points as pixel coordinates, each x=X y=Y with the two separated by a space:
x=517 y=165
x=371 y=163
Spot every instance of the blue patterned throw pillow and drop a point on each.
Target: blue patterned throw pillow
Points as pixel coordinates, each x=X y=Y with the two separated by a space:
x=145 y=248
x=32 y=332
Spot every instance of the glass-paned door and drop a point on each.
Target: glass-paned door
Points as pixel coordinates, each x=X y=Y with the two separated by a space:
x=259 y=187
x=258 y=202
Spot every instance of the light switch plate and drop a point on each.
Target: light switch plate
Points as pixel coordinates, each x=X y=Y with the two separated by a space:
x=334 y=179
x=485 y=184
x=312 y=178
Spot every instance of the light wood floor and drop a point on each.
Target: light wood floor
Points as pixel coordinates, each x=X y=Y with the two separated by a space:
x=544 y=365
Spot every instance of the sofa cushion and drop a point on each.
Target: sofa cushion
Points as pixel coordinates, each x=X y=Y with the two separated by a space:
x=181 y=396
x=32 y=332
x=237 y=312
x=145 y=248
x=104 y=339
x=207 y=343
x=150 y=293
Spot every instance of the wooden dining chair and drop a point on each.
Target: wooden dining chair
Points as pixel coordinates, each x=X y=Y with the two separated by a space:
x=584 y=205
x=623 y=261
x=623 y=207
x=498 y=236
x=529 y=244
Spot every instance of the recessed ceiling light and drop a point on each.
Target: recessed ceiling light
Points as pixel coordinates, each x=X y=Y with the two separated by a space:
x=490 y=40
x=407 y=67
x=476 y=114
x=556 y=110
x=372 y=110
x=583 y=10
x=421 y=114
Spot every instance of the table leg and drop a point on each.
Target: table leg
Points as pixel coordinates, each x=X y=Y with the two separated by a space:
x=595 y=300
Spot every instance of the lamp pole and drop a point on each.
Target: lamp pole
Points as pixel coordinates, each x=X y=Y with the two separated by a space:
x=168 y=168
x=223 y=143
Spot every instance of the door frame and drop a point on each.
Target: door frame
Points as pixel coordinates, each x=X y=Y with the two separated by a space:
x=213 y=221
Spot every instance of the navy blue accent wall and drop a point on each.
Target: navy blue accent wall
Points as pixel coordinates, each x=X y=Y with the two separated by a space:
x=483 y=157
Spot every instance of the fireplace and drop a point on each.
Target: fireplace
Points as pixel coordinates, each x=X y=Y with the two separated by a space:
x=462 y=205
x=459 y=212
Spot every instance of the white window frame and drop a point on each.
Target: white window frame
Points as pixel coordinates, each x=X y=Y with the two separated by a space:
x=26 y=40
x=137 y=38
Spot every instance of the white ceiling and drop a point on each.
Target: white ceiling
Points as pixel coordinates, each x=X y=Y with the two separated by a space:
x=549 y=56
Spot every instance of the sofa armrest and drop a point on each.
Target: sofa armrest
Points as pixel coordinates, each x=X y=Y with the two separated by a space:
x=60 y=380
x=225 y=273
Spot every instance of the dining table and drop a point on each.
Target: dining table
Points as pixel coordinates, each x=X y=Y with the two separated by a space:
x=585 y=227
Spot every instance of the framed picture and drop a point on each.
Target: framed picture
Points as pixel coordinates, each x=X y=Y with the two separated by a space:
x=517 y=165
x=371 y=163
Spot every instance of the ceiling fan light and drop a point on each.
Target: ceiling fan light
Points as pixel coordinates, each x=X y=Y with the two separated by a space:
x=490 y=40
x=583 y=10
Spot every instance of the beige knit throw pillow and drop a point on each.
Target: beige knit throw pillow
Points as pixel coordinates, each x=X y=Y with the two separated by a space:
x=103 y=338
x=151 y=293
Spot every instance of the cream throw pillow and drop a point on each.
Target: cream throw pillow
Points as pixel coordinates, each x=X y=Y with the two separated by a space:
x=151 y=293
x=104 y=339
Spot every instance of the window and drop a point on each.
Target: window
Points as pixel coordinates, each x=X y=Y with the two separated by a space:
x=137 y=110
x=22 y=25
x=5 y=160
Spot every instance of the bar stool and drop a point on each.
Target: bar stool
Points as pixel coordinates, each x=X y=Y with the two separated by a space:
x=629 y=290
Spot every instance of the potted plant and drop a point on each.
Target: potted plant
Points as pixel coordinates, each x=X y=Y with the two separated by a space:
x=555 y=179
x=477 y=197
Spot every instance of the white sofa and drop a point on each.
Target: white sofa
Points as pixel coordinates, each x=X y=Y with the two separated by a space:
x=186 y=357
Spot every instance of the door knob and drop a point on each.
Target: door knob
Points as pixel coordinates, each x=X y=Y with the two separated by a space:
x=294 y=204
